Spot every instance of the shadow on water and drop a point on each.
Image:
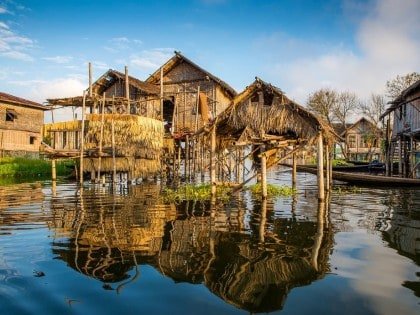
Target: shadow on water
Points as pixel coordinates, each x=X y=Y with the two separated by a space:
x=104 y=236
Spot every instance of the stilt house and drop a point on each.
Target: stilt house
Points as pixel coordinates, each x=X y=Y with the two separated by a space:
x=192 y=95
x=21 y=123
x=402 y=119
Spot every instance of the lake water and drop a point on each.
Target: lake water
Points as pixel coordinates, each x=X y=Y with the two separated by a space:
x=91 y=251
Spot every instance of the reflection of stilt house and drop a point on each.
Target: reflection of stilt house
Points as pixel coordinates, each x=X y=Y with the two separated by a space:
x=122 y=133
x=403 y=138
x=192 y=96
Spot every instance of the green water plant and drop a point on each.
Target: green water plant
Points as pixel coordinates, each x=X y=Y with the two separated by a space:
x=19 y=167
x=273 y=191
x=194 y=192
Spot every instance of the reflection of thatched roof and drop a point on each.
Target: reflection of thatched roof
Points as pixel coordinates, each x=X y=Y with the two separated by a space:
x=179 y=58
x=266 y=110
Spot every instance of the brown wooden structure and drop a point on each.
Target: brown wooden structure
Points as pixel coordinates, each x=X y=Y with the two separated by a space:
x=21 y=122
x=402 y=121
x=192 y=96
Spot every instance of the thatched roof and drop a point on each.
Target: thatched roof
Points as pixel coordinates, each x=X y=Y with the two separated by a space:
x=415 y=87
x=179 y=58
x=101 y=85
x=264 y=109
x=14 y=100
x=111 y=76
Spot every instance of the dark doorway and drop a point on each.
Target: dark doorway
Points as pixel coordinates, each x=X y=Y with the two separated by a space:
x=168 y=110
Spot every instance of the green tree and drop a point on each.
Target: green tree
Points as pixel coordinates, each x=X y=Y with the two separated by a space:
x=322 y=102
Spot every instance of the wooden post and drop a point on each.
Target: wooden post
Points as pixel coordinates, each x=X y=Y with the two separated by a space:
x=127 y=90
x=327 y=167
x=196 y=109
x=82 y=138
x=320 y=174
x=331 y=170
x=114 y=168
x=53 y=171
x=101 y=136
x=161 y=92
x=184 y=111
x=213 y=160
x=400 y=153
x=90 y=79
x=187 y=158
x=264 y=175
x=294 y=168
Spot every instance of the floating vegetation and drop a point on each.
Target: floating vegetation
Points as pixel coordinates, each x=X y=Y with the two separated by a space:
x=272 y=190
x=340 y=162
x=191 y=192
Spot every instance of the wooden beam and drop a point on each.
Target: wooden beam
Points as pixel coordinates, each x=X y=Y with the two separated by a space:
x=320 y=172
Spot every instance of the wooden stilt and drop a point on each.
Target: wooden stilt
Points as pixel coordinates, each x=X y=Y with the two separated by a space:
x=127 y=90
x=90 y=79
x=213 y=160
x=400 y=157
x=82 y=138
x=294 y=170
x=101 y=136
x=327 y=167
x=114 y=165
x=264 y=175
x=321 y=191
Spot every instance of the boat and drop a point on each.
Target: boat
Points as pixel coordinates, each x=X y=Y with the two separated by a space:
x=367 y=180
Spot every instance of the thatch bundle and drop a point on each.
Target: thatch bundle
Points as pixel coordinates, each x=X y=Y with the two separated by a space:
x=137 y=167
x=169 y=145
x=135 y=136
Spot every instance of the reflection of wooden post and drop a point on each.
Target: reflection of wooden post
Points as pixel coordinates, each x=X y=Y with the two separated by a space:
x=53 y=171
x=319 y=235
x=320 y=173
x=82 y=138
x=213 y=160
x=294 y=168
x=264 y=175
x=263 y=220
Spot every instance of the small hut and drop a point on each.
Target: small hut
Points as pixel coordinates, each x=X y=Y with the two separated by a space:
x=403 y=137
x=20 y=126
x=264 y=118
x=192 y=95
x=122 y=134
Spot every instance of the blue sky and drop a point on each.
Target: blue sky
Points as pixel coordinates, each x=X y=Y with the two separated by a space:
x=299 y=46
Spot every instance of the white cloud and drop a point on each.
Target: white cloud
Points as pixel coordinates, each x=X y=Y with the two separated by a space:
x=118 y=44
x=2 y=10
x=13 y=45
x=387 y=44
x=17 y=55
x=4 y=25
x=59 y=59
x=151 y=59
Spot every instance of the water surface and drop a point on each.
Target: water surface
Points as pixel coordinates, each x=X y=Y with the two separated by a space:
x=89 y=251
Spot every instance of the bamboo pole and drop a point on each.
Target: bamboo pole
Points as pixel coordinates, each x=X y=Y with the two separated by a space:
x=187 y=158
x=213 y=160
x=127 y=90
x=294 y=170
x=161 y=92
x=185 y=106
x=327 y=167
x=114 y=168
x=264 y=175
x=82 y=138
x=101 y=136
x=90 y=79
x=196 y=109
x=320 y=173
